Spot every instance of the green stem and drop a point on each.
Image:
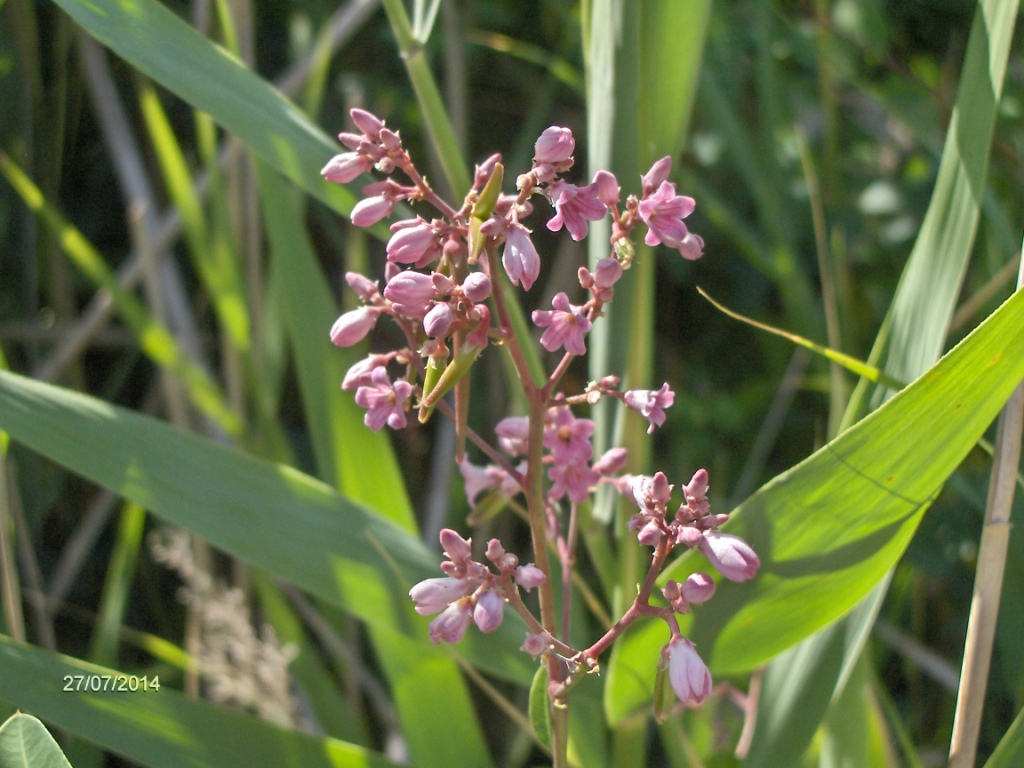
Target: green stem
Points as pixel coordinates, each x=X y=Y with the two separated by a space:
x=442 y=135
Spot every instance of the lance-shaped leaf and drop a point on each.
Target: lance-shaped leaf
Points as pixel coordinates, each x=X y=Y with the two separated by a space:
x=828 y=529
x=266 y=513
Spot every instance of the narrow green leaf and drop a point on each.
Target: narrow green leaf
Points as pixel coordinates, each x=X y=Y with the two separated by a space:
x=265 y=513
x=828 y=529
x=540 y=706
x=162 y=729
x=117 y=585
x=914 y=330
x=154 y=339
x=214 y=261
x=150 y=37
x=1010 y=752
x=25 y=743
x=348 y=455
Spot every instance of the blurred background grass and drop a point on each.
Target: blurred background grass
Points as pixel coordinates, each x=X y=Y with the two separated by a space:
x=834 y=109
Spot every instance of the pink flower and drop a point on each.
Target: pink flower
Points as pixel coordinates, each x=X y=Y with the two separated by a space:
x=565 y=325
x=534 y=645
x=346 y=167
x=452 y=624
x=568 y=438
x=352 y=327
x=576 y=479
x=688 y=675
x=651 y=404
x=519 y=257
x=663 y=212
x=413 y=242
x=512 y=432
x=555 y=145
x=487 y=614
x=434 y=595
x=574 y=206
x=730 y=555
x=370 y=210
x=359 y=375
x=383 y=400
x=651 y=493
x=479 y=479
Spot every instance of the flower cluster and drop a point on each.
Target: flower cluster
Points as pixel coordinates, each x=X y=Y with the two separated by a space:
x=446 y=286
x=471 y=592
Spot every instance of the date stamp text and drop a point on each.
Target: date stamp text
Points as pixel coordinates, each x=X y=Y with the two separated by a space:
x=116 y=683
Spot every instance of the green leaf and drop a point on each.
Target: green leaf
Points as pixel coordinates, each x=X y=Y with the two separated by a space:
x=25 y=743
x=540 y=706
x=268 y=514
x=1010 y=752
x=830 y=528
x=150 y=37
x=162 y=729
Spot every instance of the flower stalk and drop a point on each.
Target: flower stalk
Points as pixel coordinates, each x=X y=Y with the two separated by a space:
x=449 y=285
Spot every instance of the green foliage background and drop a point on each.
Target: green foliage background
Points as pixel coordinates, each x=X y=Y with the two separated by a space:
x=170 y=250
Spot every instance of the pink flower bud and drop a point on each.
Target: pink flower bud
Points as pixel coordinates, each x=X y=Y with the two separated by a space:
x=607 y=188
x=607 y=273
x=485 y=169
x=346 y=167
x=658 y=173
x=529 y=576
x=495 y=551
x=650 y=535
x=487 y=614
x=555 y=145
x=458 y=549
x=352 y=327
x=688 y=536
x=698 y=588
x=613 y=461
x=477 y=287
x=671 y=590
x=438 y=320
x=697 y=488
x=688 y=675
x=368 y=212
x=433 y=595
x=412 y=290
x=390 y=140
x=519 y=257
x=365 y=288
x=366 y=122
x=413 y=242
x=691 y=247
x=452 y=624
x=730 y=555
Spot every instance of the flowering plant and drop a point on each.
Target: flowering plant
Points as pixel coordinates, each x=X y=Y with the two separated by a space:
x=449 y=293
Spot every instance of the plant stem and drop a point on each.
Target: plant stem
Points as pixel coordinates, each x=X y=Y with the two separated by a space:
x=988 y=581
